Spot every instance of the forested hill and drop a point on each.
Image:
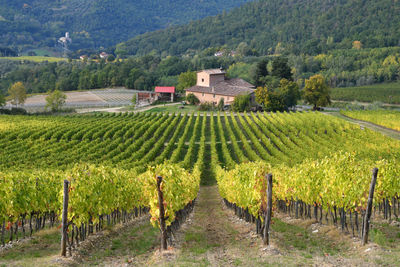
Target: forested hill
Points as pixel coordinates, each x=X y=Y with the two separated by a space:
x=94 y=23
x=300 y=26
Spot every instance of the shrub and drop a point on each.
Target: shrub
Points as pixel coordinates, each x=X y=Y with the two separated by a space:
x=208 y=106
x=241 y=103
x=221 y=104
x=13 y=111
x=192 y=99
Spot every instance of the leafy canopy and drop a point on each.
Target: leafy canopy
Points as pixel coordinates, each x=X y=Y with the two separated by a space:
x=280 y=27
x=2 y=100
x=241 y=103
x=186 y=79
x=192 y=99
x=316 y=91
x=278 y=99
x=55 y=100
x=17 y=93
x=221 y=104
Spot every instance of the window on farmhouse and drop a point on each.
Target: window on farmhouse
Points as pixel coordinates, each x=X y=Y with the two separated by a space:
x=202 y=94
x=202 y=80
x=214 y=96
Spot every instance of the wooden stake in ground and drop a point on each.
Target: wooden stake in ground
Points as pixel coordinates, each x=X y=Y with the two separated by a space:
x=269 y=210
x=369 y=207
x=64 y=226
x=162 y=214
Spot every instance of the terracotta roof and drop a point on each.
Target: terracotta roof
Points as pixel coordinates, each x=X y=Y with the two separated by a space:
x=239 y=82
x=232 y=87
x=165 y=89
x=213 y=71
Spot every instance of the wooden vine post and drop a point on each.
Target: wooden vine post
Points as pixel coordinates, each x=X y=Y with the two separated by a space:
x=369 y=207
x=162 y=214
x=269 y=210
x=64 y=226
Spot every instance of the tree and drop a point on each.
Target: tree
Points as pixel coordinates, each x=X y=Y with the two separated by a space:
x=2 y=100
x=192 y=99
x=55 y=100
x=290 y=93
x=317 y=92
x=17 y=93
x=241 y=103
x=242 y=70
x=140 y=84
x=221 y=104
x=261 y=72
x=270 y=99
x=111 y=58
x=270 y=81
x=186 y=80
x=278 y=98
x=281 y=69
x=134 y=100
x=243 y=49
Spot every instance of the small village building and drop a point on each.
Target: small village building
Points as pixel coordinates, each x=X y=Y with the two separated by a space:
x=145 y=98
x=161 y=93
x=103 y=55
x=212 y=86
x=165 y=93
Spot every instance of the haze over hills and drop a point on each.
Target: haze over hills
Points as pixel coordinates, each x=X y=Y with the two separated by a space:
x=26 y=24
x=300 y=26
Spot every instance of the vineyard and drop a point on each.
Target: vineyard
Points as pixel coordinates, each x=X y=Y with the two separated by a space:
x=385 y=118
x=386 y=93
x=321 y=167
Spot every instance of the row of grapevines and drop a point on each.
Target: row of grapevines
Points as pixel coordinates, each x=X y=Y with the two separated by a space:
x=177 y=154
x=179 y=188
x=190 y=154
x=386 y=118
x=338 y=181
x=252 y=155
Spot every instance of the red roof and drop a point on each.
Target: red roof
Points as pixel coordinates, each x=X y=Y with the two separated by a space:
x=161 y=89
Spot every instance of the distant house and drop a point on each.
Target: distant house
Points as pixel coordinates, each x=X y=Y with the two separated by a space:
x=221 y=53
x=103 y=55
x=212 y=85
x=83 y=57
x=165 y=93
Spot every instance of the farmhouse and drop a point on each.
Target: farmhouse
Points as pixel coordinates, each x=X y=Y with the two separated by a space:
x=212 y=86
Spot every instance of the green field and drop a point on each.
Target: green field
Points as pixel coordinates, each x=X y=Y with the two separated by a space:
x=35 y=58
x=385 y=93
x=174 y=108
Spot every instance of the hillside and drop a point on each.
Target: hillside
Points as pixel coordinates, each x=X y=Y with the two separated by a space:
x=28 y=24
x=300 y=26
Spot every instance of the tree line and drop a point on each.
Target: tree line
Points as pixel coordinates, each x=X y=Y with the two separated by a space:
x=26 y=25
x=341 y=68
x=141 y=73
x=275 y=27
